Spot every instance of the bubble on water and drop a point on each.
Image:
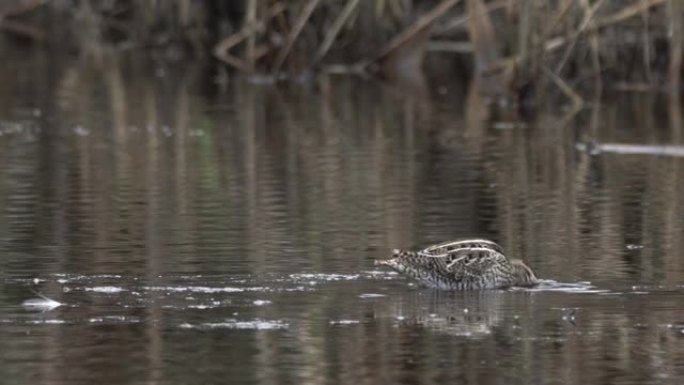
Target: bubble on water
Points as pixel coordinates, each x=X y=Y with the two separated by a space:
x=261 y=302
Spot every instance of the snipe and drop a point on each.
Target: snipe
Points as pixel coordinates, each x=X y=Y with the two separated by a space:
x=462 y=265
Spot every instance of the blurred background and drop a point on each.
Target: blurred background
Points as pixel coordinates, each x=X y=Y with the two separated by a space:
x=202 y=187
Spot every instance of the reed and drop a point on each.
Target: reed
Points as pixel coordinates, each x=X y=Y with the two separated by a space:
x=575 y=44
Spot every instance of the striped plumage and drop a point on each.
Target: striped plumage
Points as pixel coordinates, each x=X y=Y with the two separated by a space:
x=462 y=265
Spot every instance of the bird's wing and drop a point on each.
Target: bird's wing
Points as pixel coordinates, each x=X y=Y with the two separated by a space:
x=473 y=261
x=447 y=247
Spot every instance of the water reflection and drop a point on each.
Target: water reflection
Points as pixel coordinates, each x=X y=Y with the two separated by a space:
x=203 y=235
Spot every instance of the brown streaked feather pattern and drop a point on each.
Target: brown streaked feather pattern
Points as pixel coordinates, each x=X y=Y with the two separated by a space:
x=462 y=265
x=442 y=248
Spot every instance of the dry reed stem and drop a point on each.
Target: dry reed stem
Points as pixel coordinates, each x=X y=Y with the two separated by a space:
x=18 y=27
x=22 y=8
x=676 y=41
x=586 y=22
x=647 y=45
x=461 y=20
x=250 y=18
x=565 y=7
x=184 y=12
x=594 y=40
x=221 y=50
x=524 y=31
x=234 y=61
x=22 y=29
x=482 y=36
x=294 y=33
x=577 y=100
x=334 y=30
x=420 y=24
x=626 y=13
x=622 y=15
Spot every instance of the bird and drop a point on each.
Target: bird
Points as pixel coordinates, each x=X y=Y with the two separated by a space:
x=470 y=264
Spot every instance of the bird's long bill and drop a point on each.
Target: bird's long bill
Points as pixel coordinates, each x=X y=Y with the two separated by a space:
x=382 y=262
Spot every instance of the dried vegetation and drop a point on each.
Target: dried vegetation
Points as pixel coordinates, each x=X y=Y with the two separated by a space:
x=574 y=45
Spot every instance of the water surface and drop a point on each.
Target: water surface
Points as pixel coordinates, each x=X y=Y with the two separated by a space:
x=196 y=234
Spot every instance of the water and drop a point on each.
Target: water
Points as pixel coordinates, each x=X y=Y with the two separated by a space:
x=188 y=234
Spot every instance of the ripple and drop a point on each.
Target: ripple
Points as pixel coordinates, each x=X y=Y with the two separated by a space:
x=372 y=295
x=212 y=305
x=40 y=304
x=202 y=289
x=47 y=322
x=257 y=324
x=105 y=289
x=322 y=277
x=81 y=278
x=344 y=322
x=551 y=285
x=114 y=319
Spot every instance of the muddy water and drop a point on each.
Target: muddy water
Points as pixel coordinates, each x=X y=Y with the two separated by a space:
x=191 y=234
